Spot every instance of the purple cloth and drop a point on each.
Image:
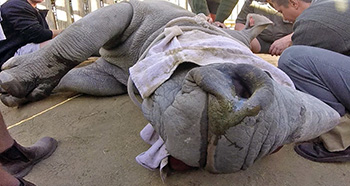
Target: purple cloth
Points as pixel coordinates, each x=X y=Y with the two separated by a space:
x=152 y=158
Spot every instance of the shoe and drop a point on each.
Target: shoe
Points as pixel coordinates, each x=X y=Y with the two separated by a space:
x=315 y=151
x=18 y=160
x=24 y=182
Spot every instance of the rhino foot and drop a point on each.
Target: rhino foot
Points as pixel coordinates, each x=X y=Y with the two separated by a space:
x=31 y=77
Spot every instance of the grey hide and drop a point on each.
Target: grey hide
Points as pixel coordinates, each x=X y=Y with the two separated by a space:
x=224 y=117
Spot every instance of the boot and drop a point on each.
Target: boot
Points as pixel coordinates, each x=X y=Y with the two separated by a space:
x=19 y=160
x=24 y=182
x=316 y=151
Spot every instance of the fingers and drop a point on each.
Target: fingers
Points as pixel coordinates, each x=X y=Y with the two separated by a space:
x=209 y=19
x=275 y=51
x=251 y=21
x=219 y=24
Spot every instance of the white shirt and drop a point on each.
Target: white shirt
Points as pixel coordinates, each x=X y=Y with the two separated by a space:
x=2 y=35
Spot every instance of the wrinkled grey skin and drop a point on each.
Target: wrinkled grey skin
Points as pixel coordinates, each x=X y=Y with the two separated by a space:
x=39 y=72
x=222 y=117
x=122 y=35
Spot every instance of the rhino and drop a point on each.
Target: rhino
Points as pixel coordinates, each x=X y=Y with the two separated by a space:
x=215 y=104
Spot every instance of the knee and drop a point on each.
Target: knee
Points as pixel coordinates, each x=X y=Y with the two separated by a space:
x=289 y=58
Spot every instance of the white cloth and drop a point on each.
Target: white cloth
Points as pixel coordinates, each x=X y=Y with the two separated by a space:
x=193 y=46
x=2 y=35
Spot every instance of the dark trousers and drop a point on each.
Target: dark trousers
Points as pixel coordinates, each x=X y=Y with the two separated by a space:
x=322 y=73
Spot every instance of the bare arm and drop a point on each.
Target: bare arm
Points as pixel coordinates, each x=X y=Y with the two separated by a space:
x=55 y=33
x=280 y=45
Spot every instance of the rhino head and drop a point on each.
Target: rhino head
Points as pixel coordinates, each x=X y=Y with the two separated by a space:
x=224 y=117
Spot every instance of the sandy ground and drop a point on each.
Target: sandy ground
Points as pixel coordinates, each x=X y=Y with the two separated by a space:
x=99 y=140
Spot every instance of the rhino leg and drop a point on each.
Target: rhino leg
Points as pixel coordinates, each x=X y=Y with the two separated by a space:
x=99 y=79
x=35 y=75
x=12 y=101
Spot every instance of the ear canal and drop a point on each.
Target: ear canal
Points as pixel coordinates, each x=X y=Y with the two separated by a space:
x=294 y=4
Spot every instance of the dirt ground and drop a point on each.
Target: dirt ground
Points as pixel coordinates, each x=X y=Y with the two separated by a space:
x=99 y=140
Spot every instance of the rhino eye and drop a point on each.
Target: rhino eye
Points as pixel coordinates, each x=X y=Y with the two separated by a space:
x=268 y=73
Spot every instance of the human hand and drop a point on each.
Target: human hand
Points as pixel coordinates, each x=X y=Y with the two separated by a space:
x=280 y=45
x=209 y=19
x=56 y=32
x=219 y=24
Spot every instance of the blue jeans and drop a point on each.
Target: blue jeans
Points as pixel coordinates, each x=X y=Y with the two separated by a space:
x=322 y=73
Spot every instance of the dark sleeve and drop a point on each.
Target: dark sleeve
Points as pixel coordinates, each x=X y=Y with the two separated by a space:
x=225 y=9
x=24 y=20
x=246 y=9
x=312 y=33
x=199 y=6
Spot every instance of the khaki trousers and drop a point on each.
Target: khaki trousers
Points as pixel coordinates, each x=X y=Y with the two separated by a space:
x=338 y=139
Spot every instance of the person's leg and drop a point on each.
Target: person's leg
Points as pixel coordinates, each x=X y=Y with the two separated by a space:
x=325 y=75
x=18 y=160
x=338 y=139
x=213 y=6
x=264 y=46
x=319 y=72
x=6 y=141
x=7 y=179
